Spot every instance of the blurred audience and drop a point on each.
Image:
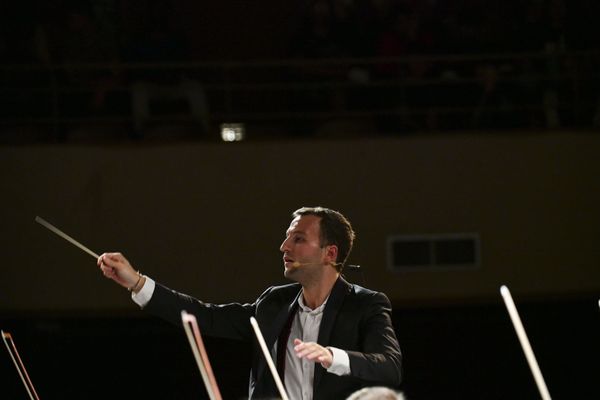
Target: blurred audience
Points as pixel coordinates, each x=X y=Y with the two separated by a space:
x=414 y=89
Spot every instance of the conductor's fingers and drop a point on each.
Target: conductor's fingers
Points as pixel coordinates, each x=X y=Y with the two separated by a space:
x=100 y=259
x=107 y=271
x=113 y=260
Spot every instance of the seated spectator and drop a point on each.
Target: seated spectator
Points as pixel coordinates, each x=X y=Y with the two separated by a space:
x=156 y=39
x=80 y=40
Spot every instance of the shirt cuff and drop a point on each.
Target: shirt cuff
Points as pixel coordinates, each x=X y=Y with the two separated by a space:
x=143 y=297
x=341 y=362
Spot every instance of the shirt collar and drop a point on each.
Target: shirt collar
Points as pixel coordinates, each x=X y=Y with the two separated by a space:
x=306 y=309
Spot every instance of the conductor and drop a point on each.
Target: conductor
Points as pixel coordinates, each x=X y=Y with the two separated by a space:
x=329 y=337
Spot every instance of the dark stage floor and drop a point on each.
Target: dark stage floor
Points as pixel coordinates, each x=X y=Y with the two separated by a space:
x=454 y=352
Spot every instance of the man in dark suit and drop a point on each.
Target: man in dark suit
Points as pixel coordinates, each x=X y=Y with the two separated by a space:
x=329 y=337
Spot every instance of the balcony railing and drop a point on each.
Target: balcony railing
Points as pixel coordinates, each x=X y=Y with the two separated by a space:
x=277 y=97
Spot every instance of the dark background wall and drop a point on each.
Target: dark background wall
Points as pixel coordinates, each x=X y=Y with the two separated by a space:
x=194 y=216
x=207 y=219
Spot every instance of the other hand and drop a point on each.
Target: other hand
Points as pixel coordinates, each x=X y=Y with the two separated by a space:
x=313 y=352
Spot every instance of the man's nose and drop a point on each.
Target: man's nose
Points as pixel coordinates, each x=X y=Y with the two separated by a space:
x=284 y=246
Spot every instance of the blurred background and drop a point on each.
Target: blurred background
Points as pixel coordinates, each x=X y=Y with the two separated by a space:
x=460 y=138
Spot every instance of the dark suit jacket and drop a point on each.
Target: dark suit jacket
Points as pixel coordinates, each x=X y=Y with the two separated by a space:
x=355 y=319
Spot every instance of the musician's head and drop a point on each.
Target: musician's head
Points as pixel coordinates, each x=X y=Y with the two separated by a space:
x=334 y=230
x=376 y=393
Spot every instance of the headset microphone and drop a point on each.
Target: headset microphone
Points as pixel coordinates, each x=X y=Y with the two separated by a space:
x=297 y=264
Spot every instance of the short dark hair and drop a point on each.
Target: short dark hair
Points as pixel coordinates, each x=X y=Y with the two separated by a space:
x=335 y=230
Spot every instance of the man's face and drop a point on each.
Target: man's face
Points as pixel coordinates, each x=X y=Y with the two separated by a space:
x=302 y=245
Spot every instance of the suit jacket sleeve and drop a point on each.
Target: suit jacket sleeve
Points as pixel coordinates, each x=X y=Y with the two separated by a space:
x=378 y=358
x=230 y=321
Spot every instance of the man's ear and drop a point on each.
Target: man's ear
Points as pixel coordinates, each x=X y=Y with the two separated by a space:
x=332 y=253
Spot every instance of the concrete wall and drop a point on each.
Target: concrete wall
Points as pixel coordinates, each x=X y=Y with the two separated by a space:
x=208 y=219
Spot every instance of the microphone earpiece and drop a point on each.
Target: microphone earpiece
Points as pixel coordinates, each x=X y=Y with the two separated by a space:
x=297 y=264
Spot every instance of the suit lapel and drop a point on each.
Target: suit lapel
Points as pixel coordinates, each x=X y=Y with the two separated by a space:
x=273 y=330
x=340 y=289
x=279 y=321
